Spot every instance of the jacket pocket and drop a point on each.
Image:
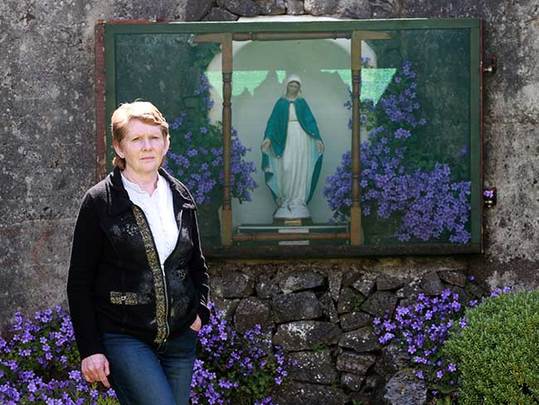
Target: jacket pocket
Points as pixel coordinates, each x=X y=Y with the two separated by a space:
x=128 y=298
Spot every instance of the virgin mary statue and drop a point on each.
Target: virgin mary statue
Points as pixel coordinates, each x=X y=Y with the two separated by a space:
x=292 y=152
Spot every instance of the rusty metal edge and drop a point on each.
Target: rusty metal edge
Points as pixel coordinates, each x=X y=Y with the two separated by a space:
x=100 y=126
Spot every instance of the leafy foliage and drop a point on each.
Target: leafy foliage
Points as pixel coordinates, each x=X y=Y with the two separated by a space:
x=498 y=352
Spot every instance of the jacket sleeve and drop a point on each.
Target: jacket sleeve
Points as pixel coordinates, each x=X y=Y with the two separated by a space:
x=199 y=273
x=85 y=256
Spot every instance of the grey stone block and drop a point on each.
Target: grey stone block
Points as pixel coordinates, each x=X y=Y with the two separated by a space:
x=219 y=14
x=380 y=303
x=314 y=367
x=252 y=311
x=245 y=8
x=360 y=340
x=296 y=306
x=354 y=320
x=305 y=335
x=405 y=388
x=349 y=301
x=312 y=394
x=301 y=281
x=431 y=284
x=354 y=363
x=453 y=277
x=328 y=308
x=232 y=285
x=385 y=282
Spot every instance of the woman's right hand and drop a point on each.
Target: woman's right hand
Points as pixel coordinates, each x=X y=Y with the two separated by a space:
x=96 y=368
x=265 y=145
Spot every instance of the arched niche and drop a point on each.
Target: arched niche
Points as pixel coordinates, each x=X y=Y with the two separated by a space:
x=260 y=68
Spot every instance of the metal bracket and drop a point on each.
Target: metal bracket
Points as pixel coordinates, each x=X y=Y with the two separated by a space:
x=490 y=197
x=491 y=64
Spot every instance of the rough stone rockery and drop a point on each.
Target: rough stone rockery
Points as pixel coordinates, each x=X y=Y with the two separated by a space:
x=322 y=317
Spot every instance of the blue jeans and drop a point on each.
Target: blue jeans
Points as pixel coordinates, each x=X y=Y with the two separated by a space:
x=143 y=374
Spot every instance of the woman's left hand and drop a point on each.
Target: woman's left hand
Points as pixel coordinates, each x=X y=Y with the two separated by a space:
x=197 y=324
x=320 y=146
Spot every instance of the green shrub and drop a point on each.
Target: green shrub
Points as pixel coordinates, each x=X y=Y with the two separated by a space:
x=498 y=352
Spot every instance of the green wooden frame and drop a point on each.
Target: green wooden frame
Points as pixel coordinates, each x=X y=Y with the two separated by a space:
x=105 y=87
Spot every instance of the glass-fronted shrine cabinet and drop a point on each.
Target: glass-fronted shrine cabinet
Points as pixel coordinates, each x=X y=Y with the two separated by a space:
x=334 y=138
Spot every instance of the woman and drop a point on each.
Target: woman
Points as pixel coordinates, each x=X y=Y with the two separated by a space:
x=292 y=153
x=138 y=282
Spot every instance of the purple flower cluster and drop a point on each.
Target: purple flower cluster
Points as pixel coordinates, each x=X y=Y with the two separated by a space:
x=421 y=329
x=400 y=107
x=197 y=160
x=232 y=367
x=500 y=291
x=196 y=154
x=435 y=205
x=203 y=90
x=39 y=362
x=429 y=204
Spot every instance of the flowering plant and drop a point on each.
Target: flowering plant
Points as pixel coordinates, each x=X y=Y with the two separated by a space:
x=196 y=154
x=234 y=368
x=396 y=181
x=40 y=363
x=422 y=329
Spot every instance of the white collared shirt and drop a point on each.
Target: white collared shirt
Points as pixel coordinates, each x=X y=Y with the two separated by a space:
x=159 y=210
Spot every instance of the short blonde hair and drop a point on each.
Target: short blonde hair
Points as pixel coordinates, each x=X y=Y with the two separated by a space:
x=137 y=110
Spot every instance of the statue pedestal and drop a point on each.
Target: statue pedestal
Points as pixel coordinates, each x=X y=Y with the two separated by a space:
x=296 y=229
x=300 y=226
x=285 y=222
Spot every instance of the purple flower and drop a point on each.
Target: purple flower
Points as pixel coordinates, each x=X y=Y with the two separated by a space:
x=402 y=133
x=429 y=203
x=198 y=162
x=40 y=361
x=421 y=329
x=227 y=359
x=386 y=338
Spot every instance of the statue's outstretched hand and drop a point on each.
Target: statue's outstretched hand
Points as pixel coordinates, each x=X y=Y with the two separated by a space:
x=320 y=146
x=266 y=145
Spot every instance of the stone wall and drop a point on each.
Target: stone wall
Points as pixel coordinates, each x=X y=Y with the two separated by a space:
x=321 y=314
x=48 y=160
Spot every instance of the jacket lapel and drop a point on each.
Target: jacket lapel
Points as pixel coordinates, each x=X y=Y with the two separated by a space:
x=119 y=202
x=118 y=199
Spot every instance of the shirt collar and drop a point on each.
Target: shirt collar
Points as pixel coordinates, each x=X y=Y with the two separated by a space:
x=131 y=186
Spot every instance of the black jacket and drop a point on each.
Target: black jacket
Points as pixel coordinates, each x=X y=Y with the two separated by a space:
x=116 y=283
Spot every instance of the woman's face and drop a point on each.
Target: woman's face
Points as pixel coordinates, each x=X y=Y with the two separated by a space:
x=292 y=89
x=143 y=147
